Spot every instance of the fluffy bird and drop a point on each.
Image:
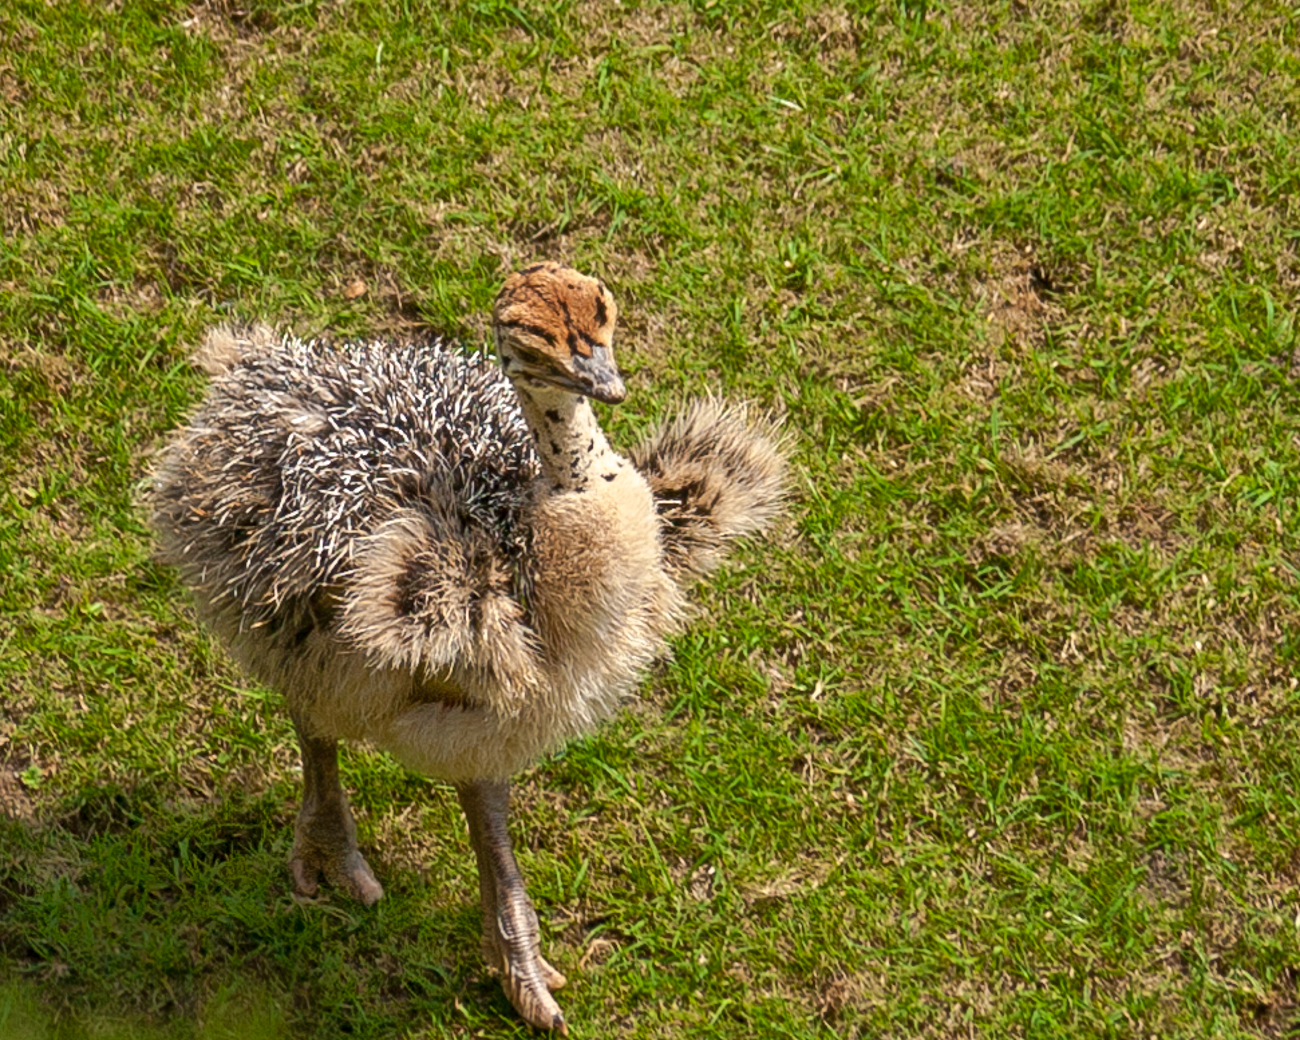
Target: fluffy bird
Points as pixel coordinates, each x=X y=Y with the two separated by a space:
x=446 y=558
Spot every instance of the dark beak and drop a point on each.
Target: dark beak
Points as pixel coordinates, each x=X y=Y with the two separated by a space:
x=597 y=376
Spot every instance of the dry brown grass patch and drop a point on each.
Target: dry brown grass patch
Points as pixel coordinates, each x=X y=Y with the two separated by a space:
x=1017 y=299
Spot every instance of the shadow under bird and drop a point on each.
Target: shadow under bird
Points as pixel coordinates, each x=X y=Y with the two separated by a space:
x=446 y=558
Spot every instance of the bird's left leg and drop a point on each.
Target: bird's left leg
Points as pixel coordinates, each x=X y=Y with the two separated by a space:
x=511 y=938
x=325 y=836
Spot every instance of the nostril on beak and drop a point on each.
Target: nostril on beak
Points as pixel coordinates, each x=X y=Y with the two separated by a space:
x=611 y=390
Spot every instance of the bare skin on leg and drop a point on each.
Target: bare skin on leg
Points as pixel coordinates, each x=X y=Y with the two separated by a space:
x=325 y=836
x=511 y=938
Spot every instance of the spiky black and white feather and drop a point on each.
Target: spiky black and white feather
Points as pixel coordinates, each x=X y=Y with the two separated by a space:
x=303 y=448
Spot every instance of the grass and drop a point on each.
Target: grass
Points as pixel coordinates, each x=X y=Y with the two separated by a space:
x=997 y=736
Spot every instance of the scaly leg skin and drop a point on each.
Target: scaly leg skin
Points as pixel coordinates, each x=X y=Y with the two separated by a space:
x=325 y=837
x=510 y=931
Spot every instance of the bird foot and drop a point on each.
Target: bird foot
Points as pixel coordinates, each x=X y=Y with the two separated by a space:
x=325 y=849
x=349 y=872
x=527 y=979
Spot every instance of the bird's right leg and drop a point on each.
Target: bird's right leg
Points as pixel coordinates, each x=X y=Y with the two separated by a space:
x=511 y=938
x=325 y=836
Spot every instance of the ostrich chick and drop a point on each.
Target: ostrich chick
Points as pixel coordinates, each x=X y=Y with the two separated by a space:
x=446 y=558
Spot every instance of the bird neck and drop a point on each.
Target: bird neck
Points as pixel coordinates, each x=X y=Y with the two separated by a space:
x=570 y=442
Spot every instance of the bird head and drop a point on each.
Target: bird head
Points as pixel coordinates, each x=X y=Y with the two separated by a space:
x=555 y=327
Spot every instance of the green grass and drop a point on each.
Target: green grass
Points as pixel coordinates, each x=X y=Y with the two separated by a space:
x=997 y=735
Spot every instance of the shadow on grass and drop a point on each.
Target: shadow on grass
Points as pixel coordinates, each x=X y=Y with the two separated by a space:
x=129 y=916
x=233 y=1013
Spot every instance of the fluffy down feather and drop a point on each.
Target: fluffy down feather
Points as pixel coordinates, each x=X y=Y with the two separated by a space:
x=716 y=475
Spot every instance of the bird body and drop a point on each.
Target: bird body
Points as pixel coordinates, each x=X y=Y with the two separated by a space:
x=445 y=557
x=378 y=514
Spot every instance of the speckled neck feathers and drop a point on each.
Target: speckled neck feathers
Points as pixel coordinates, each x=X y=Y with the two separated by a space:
x=570 y=443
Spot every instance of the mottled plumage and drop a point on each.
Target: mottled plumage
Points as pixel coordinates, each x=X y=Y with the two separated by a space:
x=301 y=448
x=446 y=558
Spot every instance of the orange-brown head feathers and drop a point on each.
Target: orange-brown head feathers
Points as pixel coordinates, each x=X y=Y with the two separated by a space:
x=555 y=326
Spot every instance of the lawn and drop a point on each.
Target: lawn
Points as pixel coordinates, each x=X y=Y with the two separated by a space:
x=996 y=734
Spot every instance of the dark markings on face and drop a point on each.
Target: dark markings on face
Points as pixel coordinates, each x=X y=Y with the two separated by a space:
x=553 y=415
x=576 y=340
x=609 y=476
x=538 y=295
x=602 y=312
x=529 y=355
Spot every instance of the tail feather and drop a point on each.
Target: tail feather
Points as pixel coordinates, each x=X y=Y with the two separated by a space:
x=716 y=475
